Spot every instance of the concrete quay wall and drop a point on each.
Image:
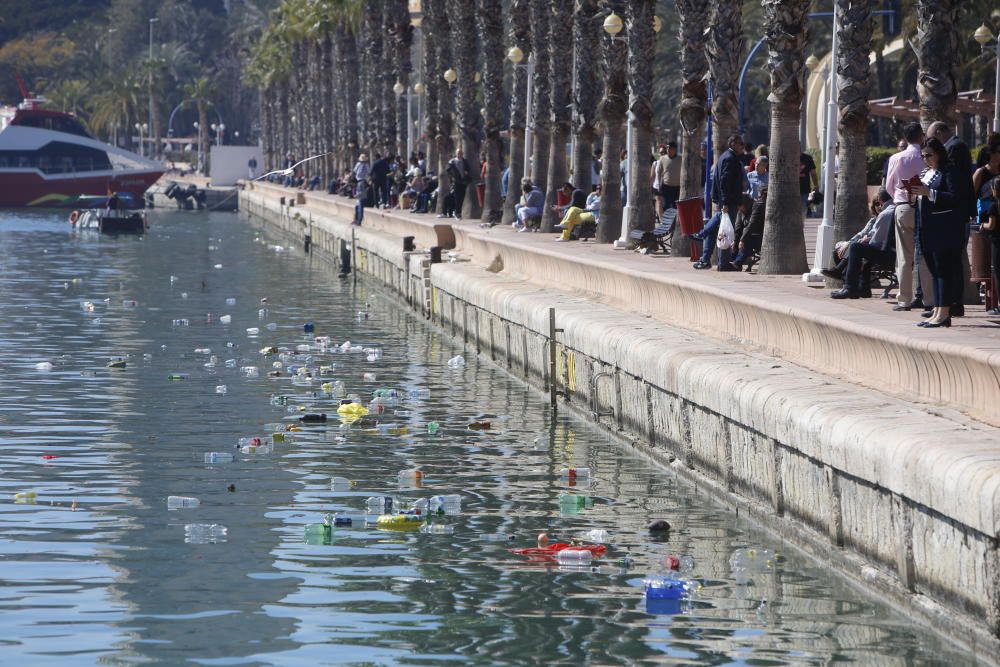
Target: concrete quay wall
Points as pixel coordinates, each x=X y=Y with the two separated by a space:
x=900 y=499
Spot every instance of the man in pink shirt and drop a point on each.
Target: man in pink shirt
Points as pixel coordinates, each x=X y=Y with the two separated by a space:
x=903 y=166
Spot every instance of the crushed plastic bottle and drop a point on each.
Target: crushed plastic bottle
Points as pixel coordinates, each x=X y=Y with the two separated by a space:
x=226 y=319
x=433 y=428
x=595 y=535
x=574 y=474
x=249 y=371
x=183 y=322
x=221 y=389
x=252 y=331
x=218 y=457
x=182 y=502
x=205 y=533
x=574 y=557
x=43 y=366
x=25 y=497
x=412 y=478
x=368 y=377
x=381 y=504
x=456 y=361
x=437 y=529
x=498 y=537
x=231 y=301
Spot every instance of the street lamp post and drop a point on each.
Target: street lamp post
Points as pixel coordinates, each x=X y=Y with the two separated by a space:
x=516 y=56
x=400 y=89
x=149 y=115
x=824 y=235
x=197 y=131
x=984 y=36
x=419 y=89
x=140 y=128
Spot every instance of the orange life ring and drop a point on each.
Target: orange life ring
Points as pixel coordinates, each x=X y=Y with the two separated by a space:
x=73 y=217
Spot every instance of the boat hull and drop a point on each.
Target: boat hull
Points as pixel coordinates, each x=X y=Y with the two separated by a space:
x=20 y=189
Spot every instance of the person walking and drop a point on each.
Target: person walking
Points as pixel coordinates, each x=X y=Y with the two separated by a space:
x=941 y=227
x=668 y=173
x=381 y=168
x=459 y=172
x=903 y=166
x=727 y=194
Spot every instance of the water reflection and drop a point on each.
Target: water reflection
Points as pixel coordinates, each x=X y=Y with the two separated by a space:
x=118 y=579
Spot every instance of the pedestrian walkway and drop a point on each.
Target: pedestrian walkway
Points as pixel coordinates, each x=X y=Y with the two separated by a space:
x=862 y=341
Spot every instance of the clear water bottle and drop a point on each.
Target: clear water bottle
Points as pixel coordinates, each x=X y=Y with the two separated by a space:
x=437 y=529
x=449 y=504
x=411 y=477
x=574 y=557
x=381 y=504
x=218 y=457
x=181 y=502
x=205 y=533
x=231 y=301
x=249 y=371
x=573 y=474
x=318 y=534
x=596 y=536
x=253 y=331
x=221 y=389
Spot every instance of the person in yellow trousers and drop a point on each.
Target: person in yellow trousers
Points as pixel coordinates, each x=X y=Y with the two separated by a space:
x=575 y=215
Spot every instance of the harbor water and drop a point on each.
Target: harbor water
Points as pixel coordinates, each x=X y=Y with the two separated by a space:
x=137 y=528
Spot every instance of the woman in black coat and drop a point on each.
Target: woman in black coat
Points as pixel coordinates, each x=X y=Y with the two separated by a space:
x=941 y=227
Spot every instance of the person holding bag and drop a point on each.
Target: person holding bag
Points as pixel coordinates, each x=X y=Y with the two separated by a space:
x=728 y=177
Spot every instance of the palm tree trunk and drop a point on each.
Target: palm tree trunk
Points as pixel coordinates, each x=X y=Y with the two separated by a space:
x=446 y=100
x=520 y=21
x=854 y=34
x=402 y=41
x=783 y=249
x=559 y=79
x=387 y=78
x=347 y=56
x=726 y=46
x=586 y=33
x=694 y=101
x=491 y=28
x=936 y=46
x=371 y=74
x=464 y=54
x=613 y=108
x=641 y=54
x=431 y=79
x=542 y=102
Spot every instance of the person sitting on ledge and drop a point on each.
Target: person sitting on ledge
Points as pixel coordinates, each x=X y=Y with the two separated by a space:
x=564 y=197
x=532 y=201
x=873 y=245
x=575 y=215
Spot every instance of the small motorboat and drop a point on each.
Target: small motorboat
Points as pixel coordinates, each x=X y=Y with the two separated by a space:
x=110 y=222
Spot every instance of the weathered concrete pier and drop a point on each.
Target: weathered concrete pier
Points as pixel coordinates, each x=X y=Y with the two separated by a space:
x=869 y=442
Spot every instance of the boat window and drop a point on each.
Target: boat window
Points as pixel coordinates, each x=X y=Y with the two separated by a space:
x=58 y=157
x=66 y=124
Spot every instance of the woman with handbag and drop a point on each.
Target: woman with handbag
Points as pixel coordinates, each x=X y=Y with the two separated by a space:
x=940 y=228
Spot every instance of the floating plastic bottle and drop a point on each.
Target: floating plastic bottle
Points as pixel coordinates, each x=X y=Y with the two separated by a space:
x=339 y=520
x=255 y=450
x=596 y=535
x=574 y=557
x=448 y=504
x=340 y=484
x=252 y=331
x=412 y=477
x=369 y=377
x=182 y=502
x=278 y=438
x=182 y=322
x=218 y=457
x=262 y=313
x=433 y=427
x=226 y=319
x=177 y=376
x=666 y=587
x=498 y=537
x=571 y=504
x=400 y=521
x=129 y=303
x=308 y=327
x=318 y=534
x=221 y=389
x=231 y=301
x=25 y=497
x=313 y=417
x=456 y=361
x=381 y=504
x=574 y=474
x=43 y=366
x=205 y=533
x=117 y=364
x=437 y=528
x=249 y=371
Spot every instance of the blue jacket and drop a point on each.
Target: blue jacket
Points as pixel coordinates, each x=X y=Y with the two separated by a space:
x=727 y=181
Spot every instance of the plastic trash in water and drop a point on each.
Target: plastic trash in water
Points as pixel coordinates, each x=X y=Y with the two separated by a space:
x=230 y=363
x=447 y=504
x=498 y=537
x=218 y=457
x=437 y=529
x=351 y=412
x=183 y=322
x=184 y=295
x=177 y=376
x=249 y=371
x=271 y=326
x=258 y=449
x=173 y=279
x=25 y=497
x=313 y=417
x=400 y=521
x=665 y=593
x=262 y=314
x=380 y=504
x=341 y=484
x=338 y=520
x=205 y=533
x=572 y=504
x=252 y=331
x=217 y=266
x=87 y=306
x=221 y=389
x=43 y=366
x=540 y=443
x=574 y=474
x=595 y=535
x=231 y=301
x=318 y=534
x=129 y=303
x=456 y=361
x=226 y=319
x=369 y=377
x=182 y=502
x=308 y=327
x=574 y=557
x=433 y=428
x=346 y=346
x=203 y=350
x=411 y=478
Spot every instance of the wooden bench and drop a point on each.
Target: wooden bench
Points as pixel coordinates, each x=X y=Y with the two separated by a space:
x=648 y=242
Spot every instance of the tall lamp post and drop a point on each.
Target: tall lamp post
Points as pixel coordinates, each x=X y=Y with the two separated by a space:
x=149 y=115
x=984 y=36
x=400 y=89
x=140 y=128
x=419 y=89
x=516 y=56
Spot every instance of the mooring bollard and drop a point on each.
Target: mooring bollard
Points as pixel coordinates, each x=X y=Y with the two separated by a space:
x=408 y=245
x=436 y=255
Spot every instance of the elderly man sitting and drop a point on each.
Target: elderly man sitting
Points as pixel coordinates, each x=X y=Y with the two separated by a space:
x=873 y=245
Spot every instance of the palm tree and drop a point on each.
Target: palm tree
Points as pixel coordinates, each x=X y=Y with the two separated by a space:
x=347 y=95
x=560 y=81
x=936 y=46
x=586 y=33
x=726 y=46
x=854 y=35
x=199 y=92
x=401 y=34
x=464 y=51
x=446 y=98
x=542 y=103
x=613 y=109
x=784 y=247
x=694 y=100
x=115 y=106
x=431 y=80
x=520 y=28
x=641 y=213
x=371 y=75
x=491 y=28
x=71 y=96
x=387 y=79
